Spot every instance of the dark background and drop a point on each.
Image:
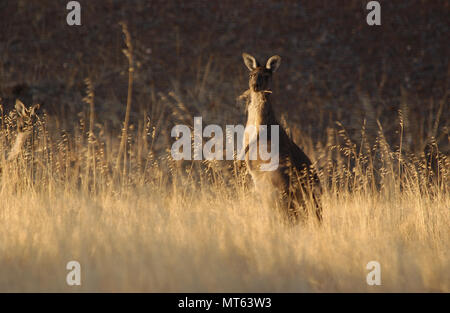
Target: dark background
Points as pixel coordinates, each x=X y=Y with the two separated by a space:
x=188 y=59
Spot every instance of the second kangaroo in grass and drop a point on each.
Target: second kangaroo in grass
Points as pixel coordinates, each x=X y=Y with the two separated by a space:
x=26 y=120
x=293 y=184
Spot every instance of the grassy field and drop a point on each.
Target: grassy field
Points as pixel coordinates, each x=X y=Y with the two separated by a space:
x=157 y=226
x=95 y=184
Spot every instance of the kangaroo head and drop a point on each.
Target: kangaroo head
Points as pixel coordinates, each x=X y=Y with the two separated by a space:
x=26 y=118
x=261 y=76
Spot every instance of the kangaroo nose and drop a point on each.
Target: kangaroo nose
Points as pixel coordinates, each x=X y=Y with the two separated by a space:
x=258 y=83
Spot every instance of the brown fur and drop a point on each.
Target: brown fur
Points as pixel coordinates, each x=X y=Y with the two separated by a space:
x=294 y=183
x=26 y=119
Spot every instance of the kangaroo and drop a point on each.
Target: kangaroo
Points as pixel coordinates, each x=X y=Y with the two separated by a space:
x=293 y=183
x=26 y=119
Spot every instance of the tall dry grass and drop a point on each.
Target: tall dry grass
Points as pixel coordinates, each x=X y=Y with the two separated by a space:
x=164 y=226
x=138 y=221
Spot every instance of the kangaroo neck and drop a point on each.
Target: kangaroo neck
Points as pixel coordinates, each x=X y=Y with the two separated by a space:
x=260 y=109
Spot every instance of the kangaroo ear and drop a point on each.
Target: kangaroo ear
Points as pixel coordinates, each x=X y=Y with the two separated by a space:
x=20 y=107
x=273 y=63
x=250 y=61
x=34 y=108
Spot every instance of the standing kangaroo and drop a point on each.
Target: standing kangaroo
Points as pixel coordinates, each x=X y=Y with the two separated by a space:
x=26 y=120
x=293 y=183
